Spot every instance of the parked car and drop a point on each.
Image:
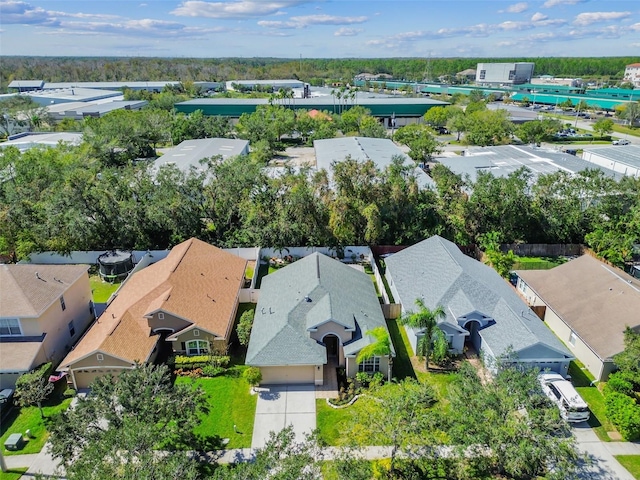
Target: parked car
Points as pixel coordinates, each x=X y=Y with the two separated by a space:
x=622 y=141
x=560 y=391
x=6 y=400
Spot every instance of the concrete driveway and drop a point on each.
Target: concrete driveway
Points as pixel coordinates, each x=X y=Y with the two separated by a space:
x=282 y=405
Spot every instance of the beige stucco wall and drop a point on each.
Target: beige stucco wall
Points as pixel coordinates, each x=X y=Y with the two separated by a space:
x=529 y=294
x=54 y=322
x=332 y=327
x=581 y=351
x=293 y=374
x=352 y=366
x=218 y=344
x=169 y=321
x=92 y=361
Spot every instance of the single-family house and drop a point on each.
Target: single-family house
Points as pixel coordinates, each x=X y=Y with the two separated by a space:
x=588 y=304
x=185 y=303
x=44 y=309
x=312 y=315
x=481 y=307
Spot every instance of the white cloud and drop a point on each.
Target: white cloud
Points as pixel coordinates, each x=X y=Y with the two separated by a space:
x=515 y=8
x=509 y=25
x=233 y=9
x=538 y=17
x=310 y=20
x=587 y=18
x=347 y=32
x=555 y=3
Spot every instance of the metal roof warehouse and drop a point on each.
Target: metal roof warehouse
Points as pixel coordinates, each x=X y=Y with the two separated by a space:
x=503 y=160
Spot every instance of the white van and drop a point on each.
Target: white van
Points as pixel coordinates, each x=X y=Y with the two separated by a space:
x=560 y=391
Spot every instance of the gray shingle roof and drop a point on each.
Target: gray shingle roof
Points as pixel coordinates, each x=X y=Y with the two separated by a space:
x=437 y=271
x=304 y=295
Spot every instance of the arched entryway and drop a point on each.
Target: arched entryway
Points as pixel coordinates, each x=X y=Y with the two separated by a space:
x=473 y=327
x=332 y=342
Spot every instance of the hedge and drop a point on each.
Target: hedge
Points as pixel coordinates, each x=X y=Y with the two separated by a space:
x=624 y=413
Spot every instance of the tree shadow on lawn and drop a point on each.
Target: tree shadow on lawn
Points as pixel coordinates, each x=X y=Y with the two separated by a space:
x=402 y=367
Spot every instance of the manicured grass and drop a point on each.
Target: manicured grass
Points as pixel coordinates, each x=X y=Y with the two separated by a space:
x=631 y=463
x=624 y=129
x=230 y=403
x=333 y=423
x=580 y=376
x=402 y=367
x=598 y=420
x=263 y=270
x=440 y=381
x=538 y=263
x=101 y=290
x=28 y=418
x=13 y=474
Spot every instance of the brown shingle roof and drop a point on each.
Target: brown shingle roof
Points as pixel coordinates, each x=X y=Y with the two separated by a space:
x=27 y=290
x=595 y=300
x=18 y=356
x=196 y=281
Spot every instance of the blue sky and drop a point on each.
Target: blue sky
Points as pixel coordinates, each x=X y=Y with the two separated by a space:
x=322 y=28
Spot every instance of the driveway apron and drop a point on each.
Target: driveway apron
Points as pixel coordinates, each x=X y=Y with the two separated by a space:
x=282 y=405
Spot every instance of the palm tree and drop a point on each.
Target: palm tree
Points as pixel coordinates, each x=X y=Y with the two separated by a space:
x=433 y=342
x=381 y=347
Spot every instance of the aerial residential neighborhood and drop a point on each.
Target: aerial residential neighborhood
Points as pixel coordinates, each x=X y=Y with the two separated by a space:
x=324 y=240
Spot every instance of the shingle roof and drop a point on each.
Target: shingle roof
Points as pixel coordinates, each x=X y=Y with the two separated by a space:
x=18 y=354
x=27 y=290
x=196 y=281
x=306 y=294
x=438 y=272
x=595 y=300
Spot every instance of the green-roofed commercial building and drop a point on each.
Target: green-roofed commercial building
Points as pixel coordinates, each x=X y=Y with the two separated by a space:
x=403 y=110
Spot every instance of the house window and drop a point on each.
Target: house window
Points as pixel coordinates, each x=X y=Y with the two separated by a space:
x=10 y=327
x=100 y=357
x=196 y=333
x=483 y=73
x=160 y=316
x=370 y=365
x=197 y=347
x=64 y=307
x=572 y=339
x=72 y=328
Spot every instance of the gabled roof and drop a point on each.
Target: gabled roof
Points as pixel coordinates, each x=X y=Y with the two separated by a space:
x=436 y=271
x=196 y=281
x=303 y=296
x=595 y=300
x=27 y=290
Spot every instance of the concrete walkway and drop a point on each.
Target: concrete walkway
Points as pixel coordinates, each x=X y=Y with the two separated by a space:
x=604 y=466
x=280 y=406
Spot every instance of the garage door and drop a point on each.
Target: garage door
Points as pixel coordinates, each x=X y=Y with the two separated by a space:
x=84 y=377
x=280 y=375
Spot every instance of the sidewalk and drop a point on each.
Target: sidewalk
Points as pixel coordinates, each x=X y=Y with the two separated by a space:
x=604 y=466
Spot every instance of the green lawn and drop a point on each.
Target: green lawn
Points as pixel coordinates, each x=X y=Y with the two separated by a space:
x=402 y=367
x=230 y=403
x=333 y=423
x=581 y=379
x=538 y=263
x=12 y=474
x=28 y=418
x=631 y=463
x=101 y=290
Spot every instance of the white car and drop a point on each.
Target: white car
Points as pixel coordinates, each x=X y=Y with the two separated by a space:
x=560 y=391
x=622 y=141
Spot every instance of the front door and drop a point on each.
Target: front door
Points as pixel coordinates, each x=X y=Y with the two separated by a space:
x=331 y=341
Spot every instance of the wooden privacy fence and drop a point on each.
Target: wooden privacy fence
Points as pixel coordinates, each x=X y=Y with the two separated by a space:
x=391 y=311
x=544 y=249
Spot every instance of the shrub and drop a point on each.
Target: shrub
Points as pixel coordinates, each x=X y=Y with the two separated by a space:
x=617 y=383
x=363 y=378
x=192 y=372
x=244 y=327
x=69 y=392
x=212 y=371
x=184 y=362
x=252 y=375
x=220 y=361
x=377 y=379
x=624 y=413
